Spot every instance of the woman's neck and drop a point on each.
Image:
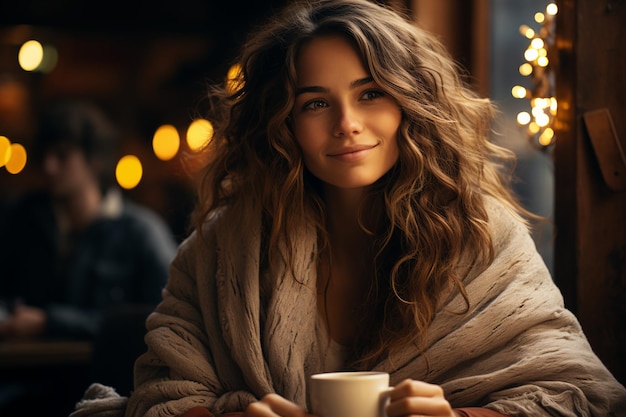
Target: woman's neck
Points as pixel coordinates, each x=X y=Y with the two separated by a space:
x=343 y=211
x=345 y=269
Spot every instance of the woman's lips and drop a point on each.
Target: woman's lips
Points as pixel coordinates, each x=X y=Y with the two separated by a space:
x=352 y=153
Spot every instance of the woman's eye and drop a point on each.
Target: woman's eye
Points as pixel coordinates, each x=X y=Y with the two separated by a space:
x=372 y=94
x=314 y=105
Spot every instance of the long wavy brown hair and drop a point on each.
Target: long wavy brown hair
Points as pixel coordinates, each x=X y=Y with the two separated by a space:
x=430 y=207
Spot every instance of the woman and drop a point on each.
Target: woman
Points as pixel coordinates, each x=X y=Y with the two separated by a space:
x=353 y=216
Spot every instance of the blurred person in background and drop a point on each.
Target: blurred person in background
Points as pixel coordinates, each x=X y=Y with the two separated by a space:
x=78 y=251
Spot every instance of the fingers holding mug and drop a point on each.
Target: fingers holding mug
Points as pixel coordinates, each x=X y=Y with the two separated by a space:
x=273 y=405
x=411 y=397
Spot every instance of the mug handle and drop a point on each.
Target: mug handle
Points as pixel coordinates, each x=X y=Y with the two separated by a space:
x=384 y=400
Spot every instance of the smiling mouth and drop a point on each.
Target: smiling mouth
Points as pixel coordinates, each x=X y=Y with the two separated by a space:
x=352 y=150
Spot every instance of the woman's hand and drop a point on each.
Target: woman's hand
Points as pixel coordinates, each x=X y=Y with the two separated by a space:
x=273 y=405
x=417 y=398
x=407 y=398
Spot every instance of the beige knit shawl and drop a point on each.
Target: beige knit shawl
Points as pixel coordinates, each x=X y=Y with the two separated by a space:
x=222 y=337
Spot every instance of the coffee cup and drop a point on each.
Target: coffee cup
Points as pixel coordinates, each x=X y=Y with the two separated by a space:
x=349 y=394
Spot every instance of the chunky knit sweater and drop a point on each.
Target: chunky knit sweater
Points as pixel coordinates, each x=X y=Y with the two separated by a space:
x=225 y=335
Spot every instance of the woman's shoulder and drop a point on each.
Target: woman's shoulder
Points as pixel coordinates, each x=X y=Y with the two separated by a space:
x=504 y=220
x=501 y=212
x=507 y=226
x=203 y=234
x=222 y=222
x=222 y=238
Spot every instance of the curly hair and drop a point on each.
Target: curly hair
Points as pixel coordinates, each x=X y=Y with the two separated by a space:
x=432 y=221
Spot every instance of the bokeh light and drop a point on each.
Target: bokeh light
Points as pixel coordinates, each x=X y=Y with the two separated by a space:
x=49 y=60
x=527 y=31
x=128 y=171
x=518 y=91
x=166 y=142
x=5 y=150
x=234 y=78
x=17 y=160
x=30 y=55
x=523 y=118
x=531 y=54
x=552 y=9
x=525 y=69
x=199 y=134
x=537 y=43
x=545 y=139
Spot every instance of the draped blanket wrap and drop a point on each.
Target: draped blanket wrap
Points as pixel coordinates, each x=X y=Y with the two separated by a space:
x=222 y=337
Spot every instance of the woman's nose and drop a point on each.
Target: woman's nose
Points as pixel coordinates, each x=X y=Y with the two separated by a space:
x=347 y=122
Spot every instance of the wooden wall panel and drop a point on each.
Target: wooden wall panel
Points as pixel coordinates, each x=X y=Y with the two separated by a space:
x=590 y=252
x=463 y=27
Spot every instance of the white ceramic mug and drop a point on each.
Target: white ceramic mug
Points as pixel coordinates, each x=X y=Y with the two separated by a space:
x=349 y=394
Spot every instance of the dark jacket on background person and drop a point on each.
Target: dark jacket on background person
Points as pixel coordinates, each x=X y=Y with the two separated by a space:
x=122 y=258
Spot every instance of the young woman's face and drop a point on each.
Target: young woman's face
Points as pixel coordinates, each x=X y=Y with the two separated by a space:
x=344 y=123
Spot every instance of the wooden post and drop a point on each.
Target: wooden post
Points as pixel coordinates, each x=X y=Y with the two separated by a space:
x=590 y=212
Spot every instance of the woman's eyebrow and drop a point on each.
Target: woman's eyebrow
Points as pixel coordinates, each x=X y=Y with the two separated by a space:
x=311 y=89
x=360 y=82
x=318 y=89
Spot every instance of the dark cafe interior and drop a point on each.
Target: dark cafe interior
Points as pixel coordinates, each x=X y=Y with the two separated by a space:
x=554 y=69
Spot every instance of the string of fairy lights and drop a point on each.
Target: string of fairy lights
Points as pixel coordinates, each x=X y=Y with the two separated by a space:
x=539 y=121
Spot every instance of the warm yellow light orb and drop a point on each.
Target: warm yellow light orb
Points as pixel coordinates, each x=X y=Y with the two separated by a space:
x=199 y=134
x=525 y=69
x=518 y=91
x=540 y=103
x=527 y=31
x=17 y=161
x=166 y=142
x=5 y=150
x=128 y=171
x=539 y=17
x=533 y=128
x=531 y=54
x=545 y=139
x=542 y=120
x=537 y=43
x=552 y=9
x=523 y=118
x=30 y=55
x=553 y=105
x=234 y=78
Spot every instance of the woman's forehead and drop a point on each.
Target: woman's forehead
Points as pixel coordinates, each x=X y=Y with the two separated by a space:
x=326 y=57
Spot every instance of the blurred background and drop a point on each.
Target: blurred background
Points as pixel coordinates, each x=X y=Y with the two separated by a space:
x=145 y=63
